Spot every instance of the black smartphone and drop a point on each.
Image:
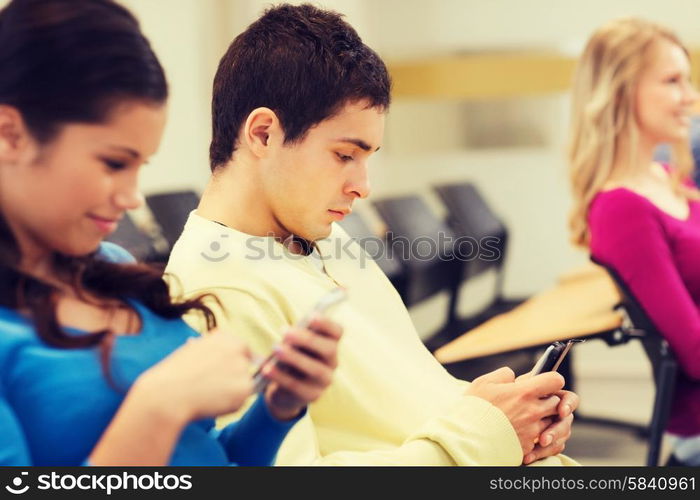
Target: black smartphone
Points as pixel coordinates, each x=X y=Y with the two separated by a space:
x=553 y=356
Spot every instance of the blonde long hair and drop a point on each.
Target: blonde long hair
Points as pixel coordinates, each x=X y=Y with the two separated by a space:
x=603 y=113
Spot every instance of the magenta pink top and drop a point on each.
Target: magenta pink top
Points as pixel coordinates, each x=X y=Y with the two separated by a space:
x=658 y=257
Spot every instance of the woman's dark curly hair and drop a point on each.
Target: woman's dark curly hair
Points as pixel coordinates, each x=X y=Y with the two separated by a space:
x=73 y=61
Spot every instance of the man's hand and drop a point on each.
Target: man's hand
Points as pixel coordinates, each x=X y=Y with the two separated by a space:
x=531 y=404
x=553 y=439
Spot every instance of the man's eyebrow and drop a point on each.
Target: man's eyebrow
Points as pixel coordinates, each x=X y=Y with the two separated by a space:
x=358 y=142
x=129 y=151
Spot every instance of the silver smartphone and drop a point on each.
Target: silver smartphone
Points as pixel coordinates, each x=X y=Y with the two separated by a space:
x=553 y=356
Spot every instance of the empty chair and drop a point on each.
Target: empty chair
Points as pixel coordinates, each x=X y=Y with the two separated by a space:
x=375 y=247
x=470 y=217
x=663 y=362
x=137 y=242
x=423 y=243
x=171 y=210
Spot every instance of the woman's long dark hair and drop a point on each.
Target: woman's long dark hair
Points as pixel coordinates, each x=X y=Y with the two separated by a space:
x=72 y=61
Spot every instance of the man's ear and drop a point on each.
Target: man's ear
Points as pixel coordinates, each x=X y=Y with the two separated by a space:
x=261 y=130
x=14 y=136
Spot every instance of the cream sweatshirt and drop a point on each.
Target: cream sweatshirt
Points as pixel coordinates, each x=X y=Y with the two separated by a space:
x=390 y=402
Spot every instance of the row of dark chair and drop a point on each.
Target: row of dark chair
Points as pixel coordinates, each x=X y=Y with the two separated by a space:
x=469 y=242
x=170 y=212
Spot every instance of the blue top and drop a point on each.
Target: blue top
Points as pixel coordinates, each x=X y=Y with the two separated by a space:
x=56 y=403
x=114 y=253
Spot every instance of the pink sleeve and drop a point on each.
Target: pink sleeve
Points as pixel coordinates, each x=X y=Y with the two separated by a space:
x=627 y=235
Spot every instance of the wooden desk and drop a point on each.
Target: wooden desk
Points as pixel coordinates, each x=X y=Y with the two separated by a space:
x=580 y=305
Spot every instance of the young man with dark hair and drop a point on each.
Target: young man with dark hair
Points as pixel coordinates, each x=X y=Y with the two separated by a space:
x=298 y=108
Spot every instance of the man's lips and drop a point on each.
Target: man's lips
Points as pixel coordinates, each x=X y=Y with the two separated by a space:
x=342 y=211
x=340 y=214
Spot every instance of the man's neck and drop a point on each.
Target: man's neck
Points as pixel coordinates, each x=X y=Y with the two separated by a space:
x=233 y=198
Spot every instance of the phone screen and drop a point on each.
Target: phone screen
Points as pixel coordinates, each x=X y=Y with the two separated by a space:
x=553 y=356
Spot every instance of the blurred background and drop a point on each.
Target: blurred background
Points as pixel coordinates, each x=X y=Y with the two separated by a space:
x=480 y=93
x=481 y=96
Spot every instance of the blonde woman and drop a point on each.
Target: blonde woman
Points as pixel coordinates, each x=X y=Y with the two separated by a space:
x=632 y=91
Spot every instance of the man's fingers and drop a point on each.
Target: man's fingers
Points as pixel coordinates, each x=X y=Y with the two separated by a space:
x=501 y=376
x=544 y=384
x=549 y=406
x=543 y=425
x=539 y=452
x=560 y=429
x=569 y=403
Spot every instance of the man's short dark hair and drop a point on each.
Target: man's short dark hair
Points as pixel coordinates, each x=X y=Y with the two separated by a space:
x=302 y=62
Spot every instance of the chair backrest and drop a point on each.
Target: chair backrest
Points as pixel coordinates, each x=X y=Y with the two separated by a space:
x=424 y=244
x=654 y=344
x=138 y=243
x=171 y=210
x=663 y=363
x=470 y=216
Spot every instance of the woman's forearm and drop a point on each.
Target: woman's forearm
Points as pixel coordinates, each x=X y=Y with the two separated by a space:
x=143 y=431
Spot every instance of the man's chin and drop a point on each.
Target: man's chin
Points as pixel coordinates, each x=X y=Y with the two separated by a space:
x=326 y=232
x=317 y=234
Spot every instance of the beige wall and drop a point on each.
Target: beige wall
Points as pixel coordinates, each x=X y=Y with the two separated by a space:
x=184 y=35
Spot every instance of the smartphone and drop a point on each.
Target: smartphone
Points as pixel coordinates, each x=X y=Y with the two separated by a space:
x=329 y=300
x=553 y=356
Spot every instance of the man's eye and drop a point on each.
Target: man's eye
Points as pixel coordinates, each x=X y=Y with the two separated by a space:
x=344 y=158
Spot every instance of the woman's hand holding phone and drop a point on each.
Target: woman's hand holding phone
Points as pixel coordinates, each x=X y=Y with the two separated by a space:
x=306 y=360
x=301 y=367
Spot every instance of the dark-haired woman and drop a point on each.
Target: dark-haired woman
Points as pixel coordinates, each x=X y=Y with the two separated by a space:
x=96 y=364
